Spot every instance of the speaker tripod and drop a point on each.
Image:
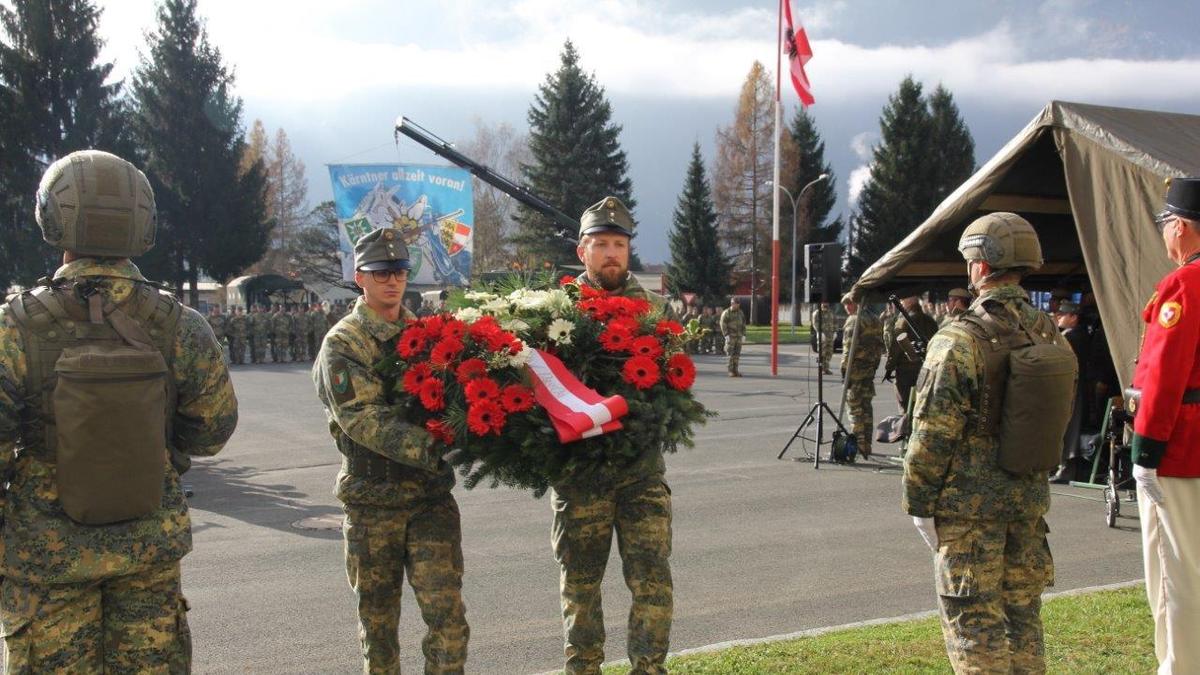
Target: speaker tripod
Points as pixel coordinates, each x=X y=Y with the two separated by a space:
x=816 y=414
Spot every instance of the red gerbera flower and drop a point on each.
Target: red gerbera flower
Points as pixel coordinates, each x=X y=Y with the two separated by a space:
x=415 y=376
x=481 y=389
x=516 y=398
x=681 y=372
x=647 y=346
x=566 y=279
x=668 y=327
x=626 y=323
x=588 y=292
x=412 y=342
x=641 y=372
x=454 y=329
x=433 y=394
x=445 y=351
x=440 y=430
x=482 y=328
x=622 y=306
x=615 y=339
x=470 y=369
x=485 y=417
x=434 y=325
x=597 y=308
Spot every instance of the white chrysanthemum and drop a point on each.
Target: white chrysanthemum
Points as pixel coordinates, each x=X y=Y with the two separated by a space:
x=468 y=314
x=494 y=306
x=521 y=358
x=560 y=331
x=514 y=325
x=480 y=295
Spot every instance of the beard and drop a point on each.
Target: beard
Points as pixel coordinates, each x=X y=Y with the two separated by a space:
x=611 y=277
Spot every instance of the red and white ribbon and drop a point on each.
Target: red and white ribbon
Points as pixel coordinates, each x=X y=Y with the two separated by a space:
x=576 y=410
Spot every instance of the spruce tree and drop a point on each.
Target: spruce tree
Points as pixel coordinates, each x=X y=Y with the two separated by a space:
x=55 y=98
x=577 y=159
x=211 y=213
x=813 y=226
x=952 y=156
x=697 y=263
x=925 y=153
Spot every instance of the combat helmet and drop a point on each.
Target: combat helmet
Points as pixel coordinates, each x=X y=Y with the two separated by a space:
x=96 y=204
x=1002 y=240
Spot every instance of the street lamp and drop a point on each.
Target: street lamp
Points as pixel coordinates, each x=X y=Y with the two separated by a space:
x=795 y=212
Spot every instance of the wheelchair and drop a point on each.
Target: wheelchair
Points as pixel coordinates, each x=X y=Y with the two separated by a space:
x=1112 y=463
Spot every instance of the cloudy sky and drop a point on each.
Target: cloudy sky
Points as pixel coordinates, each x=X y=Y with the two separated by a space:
x=336 y=75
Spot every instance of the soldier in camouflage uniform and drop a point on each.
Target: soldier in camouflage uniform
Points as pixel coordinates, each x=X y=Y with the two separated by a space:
x=394 y=486
x=960 y=300
x=635 y=503
x=299 y=337
x=317 y=328
x=260 y=333
x=239 y=330
x=708 y=324
x=691 y=313
x=984 y=524
x=98 y=598
x=862 y=334
x=823 y=320
x=902 y=359
x=281 y=335
x=219 y=324
x=733 y=328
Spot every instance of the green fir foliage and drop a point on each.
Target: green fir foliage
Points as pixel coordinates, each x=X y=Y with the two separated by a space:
x=698 y=264
x=577 y=159
x=925 y=152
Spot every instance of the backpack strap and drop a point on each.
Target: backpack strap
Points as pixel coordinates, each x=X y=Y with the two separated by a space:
x=994 y=341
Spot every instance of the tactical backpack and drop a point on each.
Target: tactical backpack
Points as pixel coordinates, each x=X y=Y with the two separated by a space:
x=1028 y=389
x=101 y=391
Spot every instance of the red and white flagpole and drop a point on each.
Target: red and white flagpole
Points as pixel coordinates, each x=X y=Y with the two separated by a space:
x=775 y=200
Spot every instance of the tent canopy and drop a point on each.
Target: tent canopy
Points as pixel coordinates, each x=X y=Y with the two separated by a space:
x=1090 y=179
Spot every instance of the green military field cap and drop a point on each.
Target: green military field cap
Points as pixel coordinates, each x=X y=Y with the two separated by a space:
x=381 y=249
x=960 y=293
x=606 y=215
x=1068 y=308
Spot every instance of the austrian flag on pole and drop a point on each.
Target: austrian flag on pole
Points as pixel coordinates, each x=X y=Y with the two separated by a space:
x=798 y=52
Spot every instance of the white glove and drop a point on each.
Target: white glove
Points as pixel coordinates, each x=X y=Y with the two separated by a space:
x=928 y=531
x=1147 y=482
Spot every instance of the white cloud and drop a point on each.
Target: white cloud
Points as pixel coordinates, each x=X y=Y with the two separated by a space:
x=858 y=179
x=863 y=144
x=306 y=53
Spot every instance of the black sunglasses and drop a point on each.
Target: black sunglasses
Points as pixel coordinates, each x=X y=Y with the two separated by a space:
x=382 y=276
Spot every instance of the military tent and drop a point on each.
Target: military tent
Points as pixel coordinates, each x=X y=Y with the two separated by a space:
x=1090 y=179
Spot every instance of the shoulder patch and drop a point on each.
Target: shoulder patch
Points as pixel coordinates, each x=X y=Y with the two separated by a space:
x=1169 y=314
x=340 y=381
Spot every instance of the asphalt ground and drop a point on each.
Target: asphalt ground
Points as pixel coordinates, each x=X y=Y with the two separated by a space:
x=761 y=546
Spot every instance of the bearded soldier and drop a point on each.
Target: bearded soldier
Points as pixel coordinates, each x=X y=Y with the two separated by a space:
x=103 y=377
x=636 y=504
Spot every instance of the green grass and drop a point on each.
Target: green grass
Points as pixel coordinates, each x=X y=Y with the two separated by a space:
x=762 y=335
x=1102 y=632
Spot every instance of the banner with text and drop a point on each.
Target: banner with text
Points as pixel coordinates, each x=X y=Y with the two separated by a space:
x=430 y=206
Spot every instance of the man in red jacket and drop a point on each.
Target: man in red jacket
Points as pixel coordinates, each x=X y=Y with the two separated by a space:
x=1166 y=440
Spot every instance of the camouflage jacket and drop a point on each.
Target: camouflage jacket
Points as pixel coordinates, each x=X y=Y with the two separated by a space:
x=39 y=543
x=362 y=419
x=869 y=345
x=949 y=318
x=260 y=325
x=239 y=326
x=950 y=469
x=318 y=325
x=650 y=463
x=219 y=324
x=826 y=321
x=733 y=322
x=281 y=324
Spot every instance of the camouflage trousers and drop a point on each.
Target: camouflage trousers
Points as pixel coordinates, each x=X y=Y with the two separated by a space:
x=859 y=393
x=733 y=349
x=259 y=350
x=426 y=543
x=990 y=576
x=299 y=348
x=584 y=521
x=130 y=624
x=237 y=350
x=826 y=354
x=279 y=349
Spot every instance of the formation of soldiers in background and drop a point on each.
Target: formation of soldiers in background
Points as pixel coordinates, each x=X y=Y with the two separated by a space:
x=282 y=334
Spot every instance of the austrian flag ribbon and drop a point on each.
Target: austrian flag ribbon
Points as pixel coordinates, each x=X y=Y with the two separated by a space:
x=576 y=411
